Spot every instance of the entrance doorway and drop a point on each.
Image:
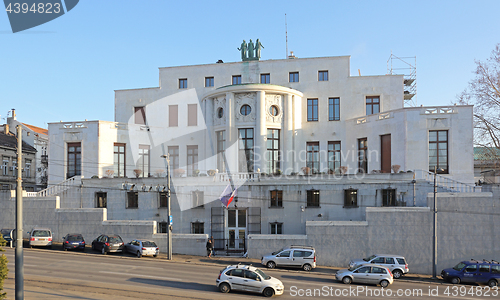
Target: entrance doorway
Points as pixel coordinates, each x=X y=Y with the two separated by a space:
x=236 y=229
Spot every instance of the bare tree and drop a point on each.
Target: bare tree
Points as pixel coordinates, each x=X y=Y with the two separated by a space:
x=484 y=93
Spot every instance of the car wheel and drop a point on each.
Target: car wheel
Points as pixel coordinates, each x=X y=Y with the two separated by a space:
x=65 y=249
x=347 y=280
x=307 y=267
x=271 y=264
x=224 y=287
x=455 y=280
x=268 y=292
x=103 y=251
x=397 y=274
x=384 y=283
x=492 y=283
x=155 y=255
x=139 y=255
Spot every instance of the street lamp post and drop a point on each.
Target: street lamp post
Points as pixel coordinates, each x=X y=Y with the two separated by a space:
x=169 y=230
x=434 y=235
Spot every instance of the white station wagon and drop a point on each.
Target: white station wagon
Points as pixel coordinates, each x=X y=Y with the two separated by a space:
x=250 y=279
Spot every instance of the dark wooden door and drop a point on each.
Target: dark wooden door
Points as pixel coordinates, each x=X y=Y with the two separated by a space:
x=385 y=153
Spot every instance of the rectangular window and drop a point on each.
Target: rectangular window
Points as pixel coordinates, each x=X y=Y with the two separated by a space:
x=173 y=151
x=162 y=227
x=350 y=198
x=198 y=227
x=173 y=116
x=312 y=156
x=74 y=160
x=101 y=199
x=312 y=110
x=276 y=198
x=236 y=79
x=183 y=83
x=144 y=161
x=273 y=151
x=119 y=160
x=192 y=160
x=140 y=115
x=372 y=105
x=276 y=228
x=438 y=151
x=334 y=109
x=27 y=168
x=162 y=200
x=293 y=77
x=221 y=148
x=312 y=198
x=362 y=155
x=192 y=114
x=209 y=81
x=389 y=197
x=322 y=75
x=334 y=156
x=197 y=197
x=5 y=166
x=265 y=78
x=245 y=150
x=132 y=200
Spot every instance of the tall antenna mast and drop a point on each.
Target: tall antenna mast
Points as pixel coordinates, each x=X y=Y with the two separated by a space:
x=286 y=36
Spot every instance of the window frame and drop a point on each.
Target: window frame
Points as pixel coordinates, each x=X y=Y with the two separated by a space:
x=119 y=172
x=334 y=109
x=273 y=154
x=196 y=226
x=191 y=153
x=131 y=202
x=195 y=199
x=389 y=197
x=104 y=202
x=209 y=81
x=371 y=102
x=174 y=157
x=333 y=153
x=312 y=152
x=265 y=78
x=313 y=199
x=321 y=75
x=183 y=82
x=362 y=155
x=276 y=199
x=162 y=227
x=140 y=115
x=163 y=199
x=293 y=77
x=221 y=150
x=243 y=145
x=173 y=115
x=312 y=110
x=437 y=142
x=350 y=193
x=76 y=157
x=192 y=117
x=144 y=160
x=236 y=79
x=275 y=226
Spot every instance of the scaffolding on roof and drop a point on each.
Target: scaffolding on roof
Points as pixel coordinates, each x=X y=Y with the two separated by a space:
x=406 y=66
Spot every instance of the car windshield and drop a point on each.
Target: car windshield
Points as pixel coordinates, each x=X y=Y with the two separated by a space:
x=148 y=244
x=369 y=258
x=353 y=268
x=42 y=233
x=262 y=274
x=74 y=238
x=115 y=240
x=459 y=267
x=276 y=252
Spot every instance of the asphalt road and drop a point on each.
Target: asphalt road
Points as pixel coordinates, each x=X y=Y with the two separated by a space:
x=71 y=275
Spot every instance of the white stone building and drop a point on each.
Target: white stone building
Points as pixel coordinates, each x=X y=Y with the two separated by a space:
x=330 y=134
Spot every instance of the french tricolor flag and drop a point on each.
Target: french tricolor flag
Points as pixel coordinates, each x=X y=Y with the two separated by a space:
x=227 y=195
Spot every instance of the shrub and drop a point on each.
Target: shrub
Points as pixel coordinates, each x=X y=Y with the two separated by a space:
x=137 y=173
x=3 y=268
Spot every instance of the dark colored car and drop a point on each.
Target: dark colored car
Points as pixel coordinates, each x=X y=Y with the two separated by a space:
x=108 y=243
x=9 y=235
x=73 y=241
x=474 y=271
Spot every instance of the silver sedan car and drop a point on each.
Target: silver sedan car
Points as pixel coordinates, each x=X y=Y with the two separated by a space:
x=371 y=274
x=142 y=247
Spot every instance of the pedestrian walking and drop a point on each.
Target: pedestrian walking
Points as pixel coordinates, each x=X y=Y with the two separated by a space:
x=210 y=246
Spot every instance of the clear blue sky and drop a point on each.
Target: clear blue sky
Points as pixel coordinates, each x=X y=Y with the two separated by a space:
x=68 y=69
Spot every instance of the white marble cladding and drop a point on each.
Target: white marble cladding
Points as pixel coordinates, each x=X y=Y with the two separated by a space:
x=220 y=103
x=247 y=98
x=274 y=100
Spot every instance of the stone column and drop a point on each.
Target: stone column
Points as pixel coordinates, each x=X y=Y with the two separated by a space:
x=210 y=143
x=260 y=133
x=231 y=134
x=287 y=148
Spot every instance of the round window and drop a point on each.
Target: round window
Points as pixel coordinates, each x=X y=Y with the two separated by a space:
x=220 y=112
x=245 y=110
x=273 y=110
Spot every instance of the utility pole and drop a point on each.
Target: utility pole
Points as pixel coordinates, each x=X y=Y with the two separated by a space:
x=19 y=260
x=169 y=255
x=434 y=236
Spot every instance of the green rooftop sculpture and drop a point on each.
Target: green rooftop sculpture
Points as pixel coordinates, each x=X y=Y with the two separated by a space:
x=250 y=51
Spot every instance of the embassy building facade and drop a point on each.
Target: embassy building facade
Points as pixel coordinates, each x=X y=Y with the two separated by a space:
x=301 y=139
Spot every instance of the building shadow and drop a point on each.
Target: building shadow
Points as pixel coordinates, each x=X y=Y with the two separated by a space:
x=176 y=284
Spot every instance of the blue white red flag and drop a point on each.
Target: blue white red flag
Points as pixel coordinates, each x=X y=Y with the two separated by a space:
x=227 y=195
